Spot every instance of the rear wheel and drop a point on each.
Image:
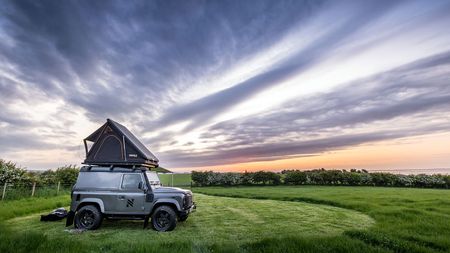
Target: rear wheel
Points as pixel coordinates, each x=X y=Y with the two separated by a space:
x=164 y=219
x=88 y=217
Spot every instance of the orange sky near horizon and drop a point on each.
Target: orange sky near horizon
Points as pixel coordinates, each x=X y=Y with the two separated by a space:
x=419 y=152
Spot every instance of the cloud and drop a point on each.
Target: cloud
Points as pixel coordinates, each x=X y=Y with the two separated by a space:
x=283 y=150
x=205 y=108
x=112 y=58
x=155 y=66
x=21 y=141
x=418 y=92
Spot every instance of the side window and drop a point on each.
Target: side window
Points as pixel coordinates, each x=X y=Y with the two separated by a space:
x=131 y=181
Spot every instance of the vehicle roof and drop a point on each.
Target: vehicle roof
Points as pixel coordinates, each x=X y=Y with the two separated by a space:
x=113 y=169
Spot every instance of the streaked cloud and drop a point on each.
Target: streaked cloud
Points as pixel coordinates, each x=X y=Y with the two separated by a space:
x=210 y=82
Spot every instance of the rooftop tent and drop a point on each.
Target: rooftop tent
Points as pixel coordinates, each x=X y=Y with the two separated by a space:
x=114 y=144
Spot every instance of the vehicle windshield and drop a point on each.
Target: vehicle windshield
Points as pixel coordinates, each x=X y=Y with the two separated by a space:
x=153 y=179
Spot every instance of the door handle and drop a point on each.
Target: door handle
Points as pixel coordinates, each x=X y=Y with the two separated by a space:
x=121 y=197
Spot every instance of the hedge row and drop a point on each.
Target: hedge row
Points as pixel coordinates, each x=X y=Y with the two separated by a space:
x=13 y=174
x=210 y=178
x=320 y=177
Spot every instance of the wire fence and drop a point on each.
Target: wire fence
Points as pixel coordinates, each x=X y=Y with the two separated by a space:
x=13 y=191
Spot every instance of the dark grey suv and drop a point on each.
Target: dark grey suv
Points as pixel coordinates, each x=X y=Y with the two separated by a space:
x=126 y=193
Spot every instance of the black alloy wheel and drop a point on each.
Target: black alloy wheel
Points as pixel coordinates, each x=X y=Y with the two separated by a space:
x=88 y=217
x=164 y=219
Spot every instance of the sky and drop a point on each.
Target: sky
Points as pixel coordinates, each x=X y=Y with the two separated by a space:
x=230 y=85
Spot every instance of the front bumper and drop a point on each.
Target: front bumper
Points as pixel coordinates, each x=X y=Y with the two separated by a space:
x=189 y=210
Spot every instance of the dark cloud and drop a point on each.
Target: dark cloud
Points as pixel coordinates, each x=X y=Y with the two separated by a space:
x=144 y=52
x=133 y=61
x=295 y=128
x=280 y=150
x=22 y=141
x=204 y=108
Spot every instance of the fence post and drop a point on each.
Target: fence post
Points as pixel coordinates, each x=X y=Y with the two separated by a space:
x=57 y=190
x=4 y=191
x=34 y=188
x=172 y=179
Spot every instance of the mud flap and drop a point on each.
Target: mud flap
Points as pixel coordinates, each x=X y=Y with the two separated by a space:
x=146 y=221
x=70 y=217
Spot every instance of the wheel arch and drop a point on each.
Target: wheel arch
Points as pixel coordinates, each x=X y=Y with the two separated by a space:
x=92 y=201
x=166 y=202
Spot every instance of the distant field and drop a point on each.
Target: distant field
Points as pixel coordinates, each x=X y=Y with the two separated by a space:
x=178 y=179
x=254 y=219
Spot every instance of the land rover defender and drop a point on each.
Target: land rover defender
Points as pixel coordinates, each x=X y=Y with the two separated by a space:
x=126 y=193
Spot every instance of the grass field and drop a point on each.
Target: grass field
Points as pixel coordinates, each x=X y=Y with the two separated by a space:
x=254 y=219
x=178 y=179
x=407 y=220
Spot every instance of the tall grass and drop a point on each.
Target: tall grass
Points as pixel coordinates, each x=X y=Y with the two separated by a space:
x=15 y=208
x=20 y=192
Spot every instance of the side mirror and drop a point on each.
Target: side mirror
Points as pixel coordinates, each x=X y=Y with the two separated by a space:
x=140 y=185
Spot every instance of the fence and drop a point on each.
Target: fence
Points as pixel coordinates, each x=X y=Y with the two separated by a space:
x=12 y=191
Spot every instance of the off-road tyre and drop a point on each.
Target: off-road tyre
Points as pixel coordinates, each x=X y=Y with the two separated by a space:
x=88 y=217
x=164 y=219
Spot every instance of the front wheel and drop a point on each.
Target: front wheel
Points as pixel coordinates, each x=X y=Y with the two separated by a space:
x=88 y=217
x=164 y=219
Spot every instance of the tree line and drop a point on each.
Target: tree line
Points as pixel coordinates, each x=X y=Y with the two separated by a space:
x=67 y=175
x=320 y=177
x=12 y=174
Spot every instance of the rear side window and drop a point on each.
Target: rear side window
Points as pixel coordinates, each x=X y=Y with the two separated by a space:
x=98 y=180
x=131 y=181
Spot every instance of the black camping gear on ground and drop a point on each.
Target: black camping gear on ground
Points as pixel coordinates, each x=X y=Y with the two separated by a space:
x=114 y=144
x=55 y=215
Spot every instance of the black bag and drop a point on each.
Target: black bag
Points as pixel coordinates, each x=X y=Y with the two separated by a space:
x=55 y=215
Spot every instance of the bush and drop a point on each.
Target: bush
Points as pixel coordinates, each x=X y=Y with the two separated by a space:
x=266 y=177
x=11 y=173
x=210 y=178
x=320 y=177
x=67 y=175
x=200 y=178
x=295 y=177
x=48 y=177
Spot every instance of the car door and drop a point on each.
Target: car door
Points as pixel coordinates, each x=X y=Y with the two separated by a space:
x=131 y=196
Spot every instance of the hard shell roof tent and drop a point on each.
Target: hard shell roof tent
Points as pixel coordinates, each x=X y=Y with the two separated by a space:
x=114 y=144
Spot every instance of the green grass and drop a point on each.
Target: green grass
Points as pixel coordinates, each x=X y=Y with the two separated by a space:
x=40 y=191
x=220 y=223
x=178 y=179
x=254 y=219
x=15 y=208
x=407 y=220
